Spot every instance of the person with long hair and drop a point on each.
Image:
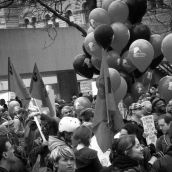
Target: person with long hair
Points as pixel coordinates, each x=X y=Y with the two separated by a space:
x=126 y=155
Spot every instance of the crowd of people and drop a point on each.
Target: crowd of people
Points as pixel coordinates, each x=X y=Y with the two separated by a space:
x=69 y=142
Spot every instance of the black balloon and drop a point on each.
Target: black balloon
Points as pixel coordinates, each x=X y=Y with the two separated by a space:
x=103 y=35
x=140 y=31
x=137 y=9
x=81 y=67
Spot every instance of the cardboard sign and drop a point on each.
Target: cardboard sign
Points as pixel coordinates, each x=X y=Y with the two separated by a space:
x=149 y=129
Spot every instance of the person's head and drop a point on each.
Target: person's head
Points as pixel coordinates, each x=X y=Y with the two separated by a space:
x=129 y=129
x=152 y=90
x=67 y=111
x=81 y=135
x=6 y=151
x=80 y=104
x=128 y=146
x=63 y=159
x=136 y=110
x=158 y=105
x=67 y=126
x=169 y=107
x=164 y=123
x=2 y=102
x=23 y=114
x=147 y=107
x=87 y=115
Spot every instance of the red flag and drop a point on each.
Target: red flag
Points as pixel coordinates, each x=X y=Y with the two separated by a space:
x=16 y=84
x=39 y=92
x=107 y=119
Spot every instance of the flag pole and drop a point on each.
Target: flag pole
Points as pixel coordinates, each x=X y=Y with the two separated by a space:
x=37 y=122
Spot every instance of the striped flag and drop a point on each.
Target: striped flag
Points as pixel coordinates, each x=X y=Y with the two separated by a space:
x=16 y=84
x=38 y=91
x=107 y=119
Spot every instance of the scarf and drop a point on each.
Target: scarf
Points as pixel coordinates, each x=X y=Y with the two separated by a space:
x=124 y=162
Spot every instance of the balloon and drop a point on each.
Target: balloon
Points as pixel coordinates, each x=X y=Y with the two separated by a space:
x=166 y=47
x=118 y=11
x=80 y=104
x=156 y=41
x=139 y=31
x=137 y=90
x=91 y=46
x=141 y=54
x=96 y=62
x=90 y=29
x=103 y=35
x=128 y=78
x=121 y=36
x=115 y=79
x=81 y=67
x=165 y=88
x=137 y=9
x=113 y=59
x=120 y=93
x=98 y=16
x=85 y=52
x=126 y=63
x=106 y=3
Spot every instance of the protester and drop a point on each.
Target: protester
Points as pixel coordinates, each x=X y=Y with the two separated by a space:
x=7 y=157
x=67 y=111
x=164 y=142
x=86 y=158
x=163 y=164
x=125 y=155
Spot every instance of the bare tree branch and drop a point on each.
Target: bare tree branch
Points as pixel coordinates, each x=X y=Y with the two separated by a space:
x=84 y=33
x=6 y=3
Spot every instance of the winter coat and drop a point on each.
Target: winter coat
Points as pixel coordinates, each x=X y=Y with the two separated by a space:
x=87 y=160
x=163 y=164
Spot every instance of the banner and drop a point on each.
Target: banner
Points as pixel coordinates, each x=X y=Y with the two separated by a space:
x=107 y=119
x=39 y=92
x=16 y=84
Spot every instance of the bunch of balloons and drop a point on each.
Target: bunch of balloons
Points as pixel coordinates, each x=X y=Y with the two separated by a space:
x=131 y=48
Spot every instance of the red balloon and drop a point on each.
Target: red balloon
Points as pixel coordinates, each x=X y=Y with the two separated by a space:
x=165 y=88
x=115 y=79
x=98 y=16
x=141 y=54
x=166 y=47
x=156 y=41
x=121 y=36
x=106 y=3
x=91 y=46
x=120 y=93
x=118 y=11
x=96 y=62
x=127 y=64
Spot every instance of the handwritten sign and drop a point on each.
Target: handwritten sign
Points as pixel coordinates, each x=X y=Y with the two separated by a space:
x=149 y=129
